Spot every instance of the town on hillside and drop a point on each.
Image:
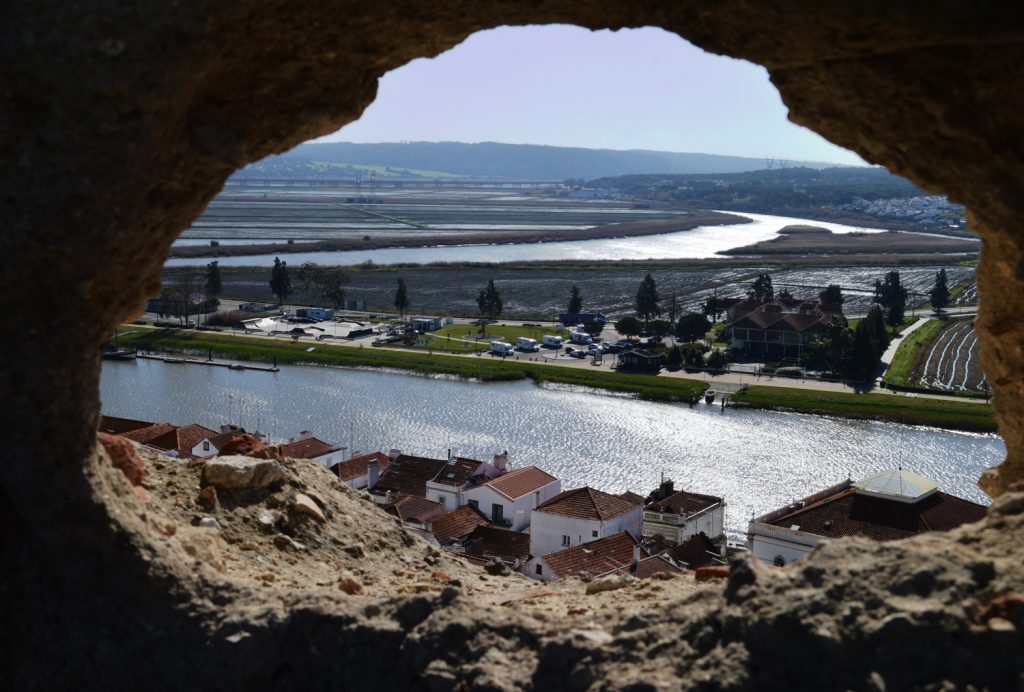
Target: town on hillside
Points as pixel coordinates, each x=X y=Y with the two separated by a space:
x=509 y=517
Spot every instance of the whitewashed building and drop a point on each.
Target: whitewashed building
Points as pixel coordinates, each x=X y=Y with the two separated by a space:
x=581 y=516
x=886 y=506
x=361 y=471
x=310 y=447
x=684 y=514
x=509 y=498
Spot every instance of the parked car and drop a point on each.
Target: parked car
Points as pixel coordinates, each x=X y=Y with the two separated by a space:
x=594 y=349
x=579 y=353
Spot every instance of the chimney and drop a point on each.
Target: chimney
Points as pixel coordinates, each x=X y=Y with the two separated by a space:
x=372 y=474
x=501 y=462
x=305 y=435
x=636 y=553
x=394 y=454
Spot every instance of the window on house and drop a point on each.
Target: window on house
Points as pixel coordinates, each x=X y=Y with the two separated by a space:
x=444 y=501
x=593 y=534
x=497 y=512
x=206 y=445
x=566 y=540
x=779 y=561
x=539 y=569
x=475 y=504
x=536 y=499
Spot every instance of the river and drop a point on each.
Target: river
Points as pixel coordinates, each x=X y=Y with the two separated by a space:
x=757 y=460
x=699 y=243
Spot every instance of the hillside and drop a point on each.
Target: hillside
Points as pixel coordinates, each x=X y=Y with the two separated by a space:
x=486 y=159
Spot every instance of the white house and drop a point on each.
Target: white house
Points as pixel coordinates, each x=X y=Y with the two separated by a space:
x=448 y=485
x=312 y=448
x=886 y=506
x=509 y=499
x=581 y=516
x=616 y=552
x=362 y=470
x=683 y=514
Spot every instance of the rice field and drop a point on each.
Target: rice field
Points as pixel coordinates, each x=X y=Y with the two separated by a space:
x=950 y=360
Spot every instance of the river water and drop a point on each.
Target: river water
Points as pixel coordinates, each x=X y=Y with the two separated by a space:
x=757 y=460
x=698 y=243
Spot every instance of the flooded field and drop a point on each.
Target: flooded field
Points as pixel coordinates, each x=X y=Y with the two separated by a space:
x=951 y=360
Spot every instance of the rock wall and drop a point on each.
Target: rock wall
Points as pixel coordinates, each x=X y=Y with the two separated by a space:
x=122 y=120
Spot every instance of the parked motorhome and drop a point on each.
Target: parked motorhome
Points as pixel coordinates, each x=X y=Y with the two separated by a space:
x=581 y=338
x=500 y=348
x=526 y=344
x=552 y=341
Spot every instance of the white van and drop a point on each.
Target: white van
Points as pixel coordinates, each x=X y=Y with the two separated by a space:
x=552 y=341
x=526 y=344
x=500 y=348
x=581 y=338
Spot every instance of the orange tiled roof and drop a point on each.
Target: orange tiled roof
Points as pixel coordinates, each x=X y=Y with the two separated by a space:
x=683 y=502
x=490 y=541
x=145 y=435
x=694 y=552
x=586 y=503
x=519 y=482
x=599 y=557
x=630 y=496
x=118 y=426
x=181 y=440
x=419 y=509
x=358 y=466
x=310 y=448
x=454 y=525
x=457 y=471
x=409 y=475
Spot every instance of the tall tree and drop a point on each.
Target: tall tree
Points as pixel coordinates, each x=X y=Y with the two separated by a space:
x=940 y=291
x=648 y=302
x=326 y=284
x=628 y=326
x=762 y=289
x=673 y=308
x=575 y=300
x=489 y=301
x=692 y=326
x=712 y=308
x=401 y=298
x=832 y=295
x=280 y=281
x=214 y=286
x=892 y=296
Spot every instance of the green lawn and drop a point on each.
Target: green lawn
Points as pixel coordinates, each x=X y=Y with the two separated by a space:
x=940 y=413
x=496 y=332
x=902 y=363
x=483 y=367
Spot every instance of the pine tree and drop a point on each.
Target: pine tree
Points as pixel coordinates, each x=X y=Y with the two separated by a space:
x=575 y=300
x=647 y=300
x=892 y=296
x=832 y=295
x=214 y=287
x=401 y=298
x=940 y=291
x=762 y=288
x=489 y=301
x=280 y=282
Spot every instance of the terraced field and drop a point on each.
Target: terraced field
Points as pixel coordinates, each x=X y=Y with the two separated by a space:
x=950 y=360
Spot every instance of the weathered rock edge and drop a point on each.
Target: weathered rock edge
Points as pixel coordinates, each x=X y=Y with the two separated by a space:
x=121 y=122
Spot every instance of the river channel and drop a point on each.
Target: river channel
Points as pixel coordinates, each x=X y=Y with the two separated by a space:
x=757 y=460
x=698 y=243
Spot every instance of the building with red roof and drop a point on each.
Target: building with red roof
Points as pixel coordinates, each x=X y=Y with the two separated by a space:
x=594 y=559
x=581 y=516
x=362 y=470
x=676 y=515
x=509 y=498
x=887 y=506
x=456 y=525
x=780 y=327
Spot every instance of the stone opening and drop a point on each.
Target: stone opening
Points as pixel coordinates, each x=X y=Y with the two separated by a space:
x=122 y=124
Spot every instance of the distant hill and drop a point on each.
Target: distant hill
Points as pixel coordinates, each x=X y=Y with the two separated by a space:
x=488 y=160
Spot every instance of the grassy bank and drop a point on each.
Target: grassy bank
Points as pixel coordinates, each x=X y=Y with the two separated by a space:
x=903 y=362
x=483 y=368
x=939 y=413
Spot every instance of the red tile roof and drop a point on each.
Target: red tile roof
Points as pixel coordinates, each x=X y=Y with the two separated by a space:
x=118 y=426
x=181 y=440
x=599 y=557
x=630 y=496
x=359 y=465
x=586 y=503
x=457 y=472
x=409 y=475
x=490 y=541
x=454 y=525
x=519 y=482
x=310 y=448
x=694 y=552
x=683 y=502
x=144 y=435
x=849 y=513
x=419 y=509
x=650 y=566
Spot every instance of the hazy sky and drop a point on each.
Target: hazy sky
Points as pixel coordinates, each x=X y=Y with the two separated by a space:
x=563 y=85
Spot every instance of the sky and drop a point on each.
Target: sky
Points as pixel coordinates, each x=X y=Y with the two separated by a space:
x=567 y=86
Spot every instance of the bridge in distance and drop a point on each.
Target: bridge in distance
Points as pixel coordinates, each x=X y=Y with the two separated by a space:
x=367 y=184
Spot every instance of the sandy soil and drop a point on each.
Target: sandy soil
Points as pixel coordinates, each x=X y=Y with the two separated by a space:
x=803 y=240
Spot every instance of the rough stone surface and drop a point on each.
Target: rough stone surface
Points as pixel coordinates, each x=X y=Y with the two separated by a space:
x=120 y=123
x=123 y=457
x=242 y=473
x=304 y=504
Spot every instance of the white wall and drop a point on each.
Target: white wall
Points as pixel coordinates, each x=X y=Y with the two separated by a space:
x=711 y=522
x=198 y=450
x=766 y=542
x=447 y=495
x=547 y=529
x=519 y=510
